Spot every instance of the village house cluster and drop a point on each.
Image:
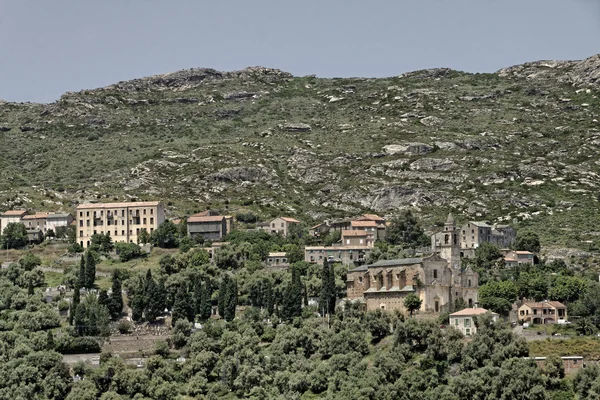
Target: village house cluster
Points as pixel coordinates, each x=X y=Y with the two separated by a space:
x=38 y=225
x=435 y=275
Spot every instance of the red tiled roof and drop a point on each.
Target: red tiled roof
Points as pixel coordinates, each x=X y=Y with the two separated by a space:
x=215 y=218
x=14 y=212
x=469 y=311
x=364 y=223
x=542 y=304
x=524 y=252
x=288 y=219
x=118 y=205
x=39 y=215
x=354 y=233
x=373 y=217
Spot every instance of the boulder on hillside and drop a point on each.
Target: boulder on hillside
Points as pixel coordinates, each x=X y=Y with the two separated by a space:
x=432 y=121
x=242 y=174
x=295 y=127
x=432 y=164
x=408 y=148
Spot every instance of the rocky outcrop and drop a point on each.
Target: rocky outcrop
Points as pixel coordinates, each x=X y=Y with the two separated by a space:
x=242 y=174
x=432 y=164
x=408 y=148
x=295 y=127
x=432 y=121
x=585 y=73
x=398 y=197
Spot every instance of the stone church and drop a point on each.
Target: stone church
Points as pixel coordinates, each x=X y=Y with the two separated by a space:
x=437 y=279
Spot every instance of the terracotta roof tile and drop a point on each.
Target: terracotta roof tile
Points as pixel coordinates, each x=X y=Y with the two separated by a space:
x=14 y=212
x=118 y=205
x=288 y=219
x=470 y=311
x=214 y=218
x=364 y=224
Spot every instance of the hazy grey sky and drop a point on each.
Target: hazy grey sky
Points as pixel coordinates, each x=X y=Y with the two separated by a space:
x=48 y=47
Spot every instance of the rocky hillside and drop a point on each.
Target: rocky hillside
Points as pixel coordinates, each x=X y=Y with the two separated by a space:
x=518 y=145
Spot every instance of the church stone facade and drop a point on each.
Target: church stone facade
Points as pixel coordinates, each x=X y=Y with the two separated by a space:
x=438 y=279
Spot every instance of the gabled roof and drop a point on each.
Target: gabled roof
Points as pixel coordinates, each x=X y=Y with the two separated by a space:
x=467 y=312
x=356 y=232
x=365 y=224
x=542 y=304
x=38 y=215
x=372 y=217
x=214 y=218
x=277 y=254
x=14 y=213
x=118 y=205
x=288 y=219
x=481 y=224
x=391 y=263
x=58 y=216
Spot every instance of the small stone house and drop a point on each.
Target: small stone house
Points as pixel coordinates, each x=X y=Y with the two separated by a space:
x=11 y=216
x=515 y=258
x=211 y=228
x=356 y=238
x=37 y=221
x=464 y=320
x=277 y=260
x=280 y=225
x=58 y=221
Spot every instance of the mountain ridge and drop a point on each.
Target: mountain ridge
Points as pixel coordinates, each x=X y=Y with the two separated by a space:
x=518 y=145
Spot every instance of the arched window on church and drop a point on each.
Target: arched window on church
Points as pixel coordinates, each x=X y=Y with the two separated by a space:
x=446 y=239
x=455 y=238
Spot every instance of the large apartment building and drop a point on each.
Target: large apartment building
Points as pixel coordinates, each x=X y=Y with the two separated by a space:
x=122 y=221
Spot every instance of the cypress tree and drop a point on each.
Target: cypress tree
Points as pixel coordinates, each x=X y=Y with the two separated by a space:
x=291 y=306
x=198 y=294
x=81 y=277
x=205 y=301
x=115 y=305
x=223 y=288
x=103 y=298
x=231 y=300
x=50 y=341
x=90 y=269
x=154 y=303
x=137 y=307
x=328 y=289
x=180 y=305
x=30 y=289
x=268 y=294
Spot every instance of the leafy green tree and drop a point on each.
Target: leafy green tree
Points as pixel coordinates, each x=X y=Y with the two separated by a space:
x=498 y=295
x=584 y=326
x=486 y=254
x=567 y=288
x=102 y=243
x=14 y=236
x=30 y=261
x=294 y=253
x=165 y=236
x=404 y=231
x=527 y=241
x=412 y=303
x=144 y=236
x=128 y=251
x=103 y=298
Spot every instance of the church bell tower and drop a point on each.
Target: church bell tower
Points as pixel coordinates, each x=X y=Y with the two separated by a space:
x=450 y=243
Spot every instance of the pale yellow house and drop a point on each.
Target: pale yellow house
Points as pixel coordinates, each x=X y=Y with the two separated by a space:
x=464 y=320
x=11 y=216
x=122 y=221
